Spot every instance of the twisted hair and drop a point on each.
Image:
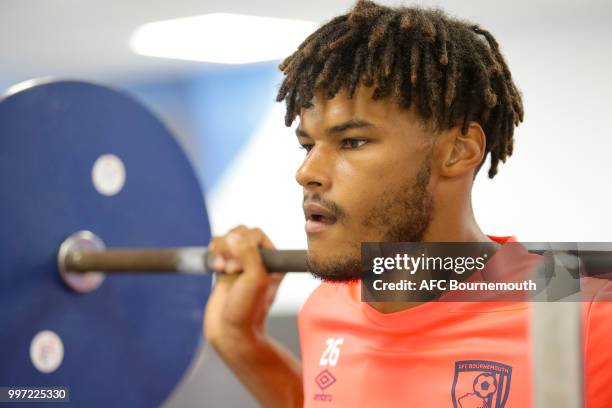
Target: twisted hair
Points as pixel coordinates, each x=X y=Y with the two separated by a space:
x=450 y=71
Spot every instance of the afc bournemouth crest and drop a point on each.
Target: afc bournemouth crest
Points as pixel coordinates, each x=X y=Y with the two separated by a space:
x=481 y=384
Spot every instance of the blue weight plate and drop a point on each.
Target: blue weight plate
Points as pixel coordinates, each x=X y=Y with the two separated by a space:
x=129 y=342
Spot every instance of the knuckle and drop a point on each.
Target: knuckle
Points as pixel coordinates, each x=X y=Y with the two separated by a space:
x=235 y=238
x=233 y=266
x=214 y=245
x=238 y=229
x=261 y=239
x=237 y=243
x=258 y=233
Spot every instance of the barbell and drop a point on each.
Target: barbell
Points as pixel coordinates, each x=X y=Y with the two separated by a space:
x=83 y=167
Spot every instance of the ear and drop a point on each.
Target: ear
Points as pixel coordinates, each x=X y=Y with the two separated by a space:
x=458 y=153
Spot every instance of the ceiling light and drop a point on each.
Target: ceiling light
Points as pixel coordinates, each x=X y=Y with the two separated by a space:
x=221 y=38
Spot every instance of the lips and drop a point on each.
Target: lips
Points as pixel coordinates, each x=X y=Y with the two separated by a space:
x=318 y=218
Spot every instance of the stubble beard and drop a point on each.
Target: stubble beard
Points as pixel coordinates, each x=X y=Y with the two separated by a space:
x=403 y=217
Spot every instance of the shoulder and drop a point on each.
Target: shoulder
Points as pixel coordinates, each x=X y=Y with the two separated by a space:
x=320 y=300
x=597 y=320
x=330 y=304
x=597 y=307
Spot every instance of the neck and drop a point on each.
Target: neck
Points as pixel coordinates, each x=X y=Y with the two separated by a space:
x=451 y=222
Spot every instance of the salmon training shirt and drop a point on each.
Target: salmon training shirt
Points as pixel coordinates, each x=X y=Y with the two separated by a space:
x=437 y=354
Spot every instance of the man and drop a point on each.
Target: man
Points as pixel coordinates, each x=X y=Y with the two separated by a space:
x=399 y=108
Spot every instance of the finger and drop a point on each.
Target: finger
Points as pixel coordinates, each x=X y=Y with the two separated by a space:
x=219 y=245
x=245 y=245
x=239 y=229
x=274 y=282
x=218 y=259
x=219 y=264
x=233 y=266
x=264 y=240
x=274 y=278
x=239 y=249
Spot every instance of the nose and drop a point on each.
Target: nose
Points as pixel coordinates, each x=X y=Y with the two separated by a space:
x=314 y=173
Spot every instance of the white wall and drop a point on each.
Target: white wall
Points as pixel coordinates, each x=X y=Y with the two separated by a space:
x=556 y=185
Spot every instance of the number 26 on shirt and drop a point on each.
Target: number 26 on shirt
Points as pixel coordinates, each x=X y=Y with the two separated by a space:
x=332 y=351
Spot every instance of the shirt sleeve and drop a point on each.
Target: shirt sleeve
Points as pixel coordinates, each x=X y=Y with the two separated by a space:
x=598 y=349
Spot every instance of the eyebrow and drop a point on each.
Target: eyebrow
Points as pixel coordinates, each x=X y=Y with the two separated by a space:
x=342 y=127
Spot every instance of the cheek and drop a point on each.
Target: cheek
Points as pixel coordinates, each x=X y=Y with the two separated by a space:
x=367 y=182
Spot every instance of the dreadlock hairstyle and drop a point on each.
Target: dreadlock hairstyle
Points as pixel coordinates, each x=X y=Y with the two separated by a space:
x=450 y=71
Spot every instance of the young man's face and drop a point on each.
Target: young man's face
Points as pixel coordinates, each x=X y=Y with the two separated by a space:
x=365 y=179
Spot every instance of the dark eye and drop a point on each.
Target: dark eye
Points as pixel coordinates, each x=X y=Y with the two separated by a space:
x=353 y=143
x=306 y=146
